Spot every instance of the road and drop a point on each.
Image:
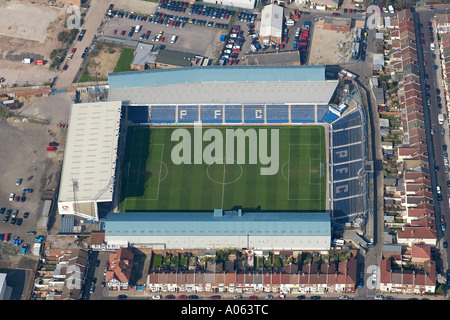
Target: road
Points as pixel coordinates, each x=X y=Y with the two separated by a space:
x=436 y=141
x=92 y=22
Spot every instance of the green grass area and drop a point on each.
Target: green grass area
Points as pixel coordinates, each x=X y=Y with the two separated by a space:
x=151 y=181
x=123 y=64
x=86 y=77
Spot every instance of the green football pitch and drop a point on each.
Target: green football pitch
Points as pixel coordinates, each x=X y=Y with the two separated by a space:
x=151 y=181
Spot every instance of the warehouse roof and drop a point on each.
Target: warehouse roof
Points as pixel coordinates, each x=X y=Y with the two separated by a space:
x=218 y=223
x=248 y=84
x=90 y=152
x=271 y=21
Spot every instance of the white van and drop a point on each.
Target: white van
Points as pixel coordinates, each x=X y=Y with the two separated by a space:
x=174 y=38
x=391 y=9
x=290 y=22
x=138 y=28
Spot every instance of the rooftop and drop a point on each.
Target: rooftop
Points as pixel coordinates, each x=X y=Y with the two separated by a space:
x=198 y=223
x=90 y=152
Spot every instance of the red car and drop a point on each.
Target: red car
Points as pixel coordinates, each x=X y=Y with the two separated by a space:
x=424 y=63
x=51 y=148
x=182 y=297
x=123 y=33
x=336 y=14
x=17 y=199
x=161 y=39
x=253 y=298
x=65 y=67
x=73 y=50
x=215 y=297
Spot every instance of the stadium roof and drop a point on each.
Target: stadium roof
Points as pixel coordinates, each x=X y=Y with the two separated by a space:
x=199 y=223
x=247 y=84
x=90 y=153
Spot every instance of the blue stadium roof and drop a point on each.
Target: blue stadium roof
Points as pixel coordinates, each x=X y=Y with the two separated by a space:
x=208 y=223
x=161 y=77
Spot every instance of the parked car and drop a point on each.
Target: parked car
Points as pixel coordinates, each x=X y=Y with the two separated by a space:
x=18 y=182
x=301 y=297
x=26 y=215
x=315 y=298
x=156 y=297
x=28 y=190
x=122 y=297
x=193 y=297
x=379 y=297
x=11 y=196
x=216 y=297
x=92 y=289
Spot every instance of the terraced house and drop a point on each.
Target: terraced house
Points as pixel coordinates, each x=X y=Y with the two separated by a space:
x=311 y=278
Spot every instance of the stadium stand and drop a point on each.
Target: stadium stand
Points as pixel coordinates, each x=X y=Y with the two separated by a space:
x=346 y=170
x=321 y=112
x=138 y=114
x=348 y=153
x=302 y=113
x=277 y=113
x=188 y=114
x=233 y=113
x=254 y=113
x=163 y=114
x=211 y=113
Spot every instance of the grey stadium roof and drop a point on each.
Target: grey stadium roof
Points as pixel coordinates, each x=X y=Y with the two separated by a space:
x=90 y=152
x=199 y=223
x=247 y=84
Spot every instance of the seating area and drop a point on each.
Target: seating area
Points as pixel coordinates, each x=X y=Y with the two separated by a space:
x=277 y=113
x=345 y=209
x=211 y=113
x=188 y=114
x=163 y=114
x=348 y=188
x=233 y=113
x=322 y=112
x=346 y=170
x=138 y=114
x=254 y=113
x=302 y=113
x=348 y=121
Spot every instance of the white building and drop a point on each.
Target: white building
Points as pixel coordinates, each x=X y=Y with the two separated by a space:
x=88 y=172
x=271 y=28
x=244 y=4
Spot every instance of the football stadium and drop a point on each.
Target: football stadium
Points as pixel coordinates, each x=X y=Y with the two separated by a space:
x=213 y=157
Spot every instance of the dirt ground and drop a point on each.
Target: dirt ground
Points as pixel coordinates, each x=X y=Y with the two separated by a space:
x=29 y=29
x=328 y=46
x=104 y=60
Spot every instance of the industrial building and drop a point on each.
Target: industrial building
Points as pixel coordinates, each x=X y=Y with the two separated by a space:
x=219 y=229
x=271 y=27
